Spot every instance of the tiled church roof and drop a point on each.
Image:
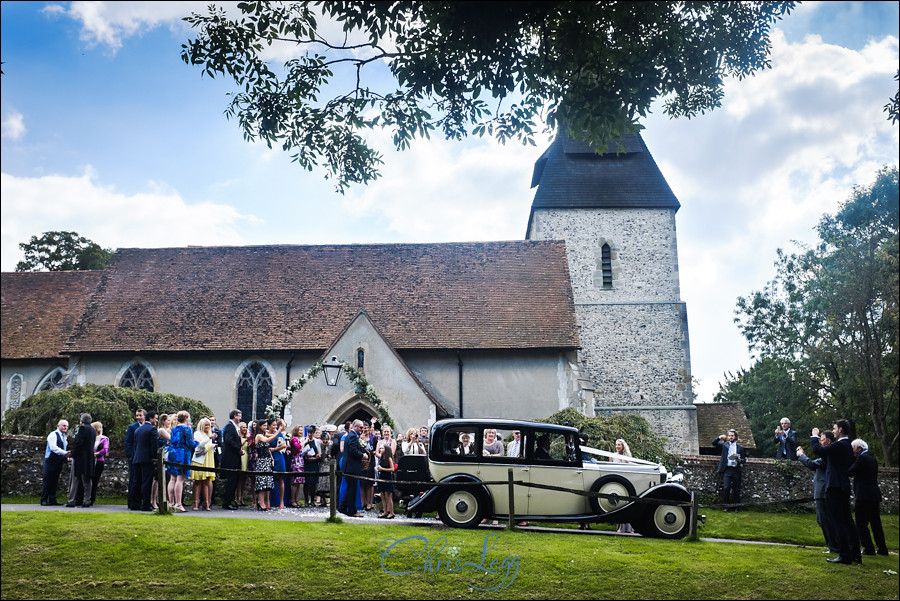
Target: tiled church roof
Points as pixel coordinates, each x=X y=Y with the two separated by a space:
x=40 y=309
x=571 y=175
x=491 y=295
x=714 y=419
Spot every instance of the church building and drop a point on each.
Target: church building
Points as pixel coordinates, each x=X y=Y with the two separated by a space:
x=584 y=313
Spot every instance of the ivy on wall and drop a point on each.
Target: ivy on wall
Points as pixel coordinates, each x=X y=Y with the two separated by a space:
x=356 y=377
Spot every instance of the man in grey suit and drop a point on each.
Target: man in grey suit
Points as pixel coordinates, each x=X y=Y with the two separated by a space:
x=818 y=465
x=786 y=439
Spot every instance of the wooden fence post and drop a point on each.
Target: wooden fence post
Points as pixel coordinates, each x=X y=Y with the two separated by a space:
x=161 y=483
x=332 y=501
x=692 y=533
x=512 y=500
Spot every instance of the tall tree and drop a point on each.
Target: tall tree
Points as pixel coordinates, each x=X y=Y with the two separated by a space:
x=833 y=311
x=771 y=389
x=595 y=66
x=62 y=251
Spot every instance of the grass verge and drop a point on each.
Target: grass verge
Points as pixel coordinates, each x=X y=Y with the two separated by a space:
x=63 y=555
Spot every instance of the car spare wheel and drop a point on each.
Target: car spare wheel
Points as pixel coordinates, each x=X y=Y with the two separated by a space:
x=610 y=485
x=463 y=507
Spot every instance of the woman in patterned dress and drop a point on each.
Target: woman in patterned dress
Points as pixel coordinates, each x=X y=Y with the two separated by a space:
x=312 y=455
x=264 y=483
x=181 y=449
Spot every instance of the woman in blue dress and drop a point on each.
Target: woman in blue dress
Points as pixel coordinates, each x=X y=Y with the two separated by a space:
x=278 y=445
x=181 y=449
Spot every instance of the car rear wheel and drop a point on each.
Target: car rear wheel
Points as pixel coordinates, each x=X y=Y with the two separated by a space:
x=666 y=521
x=463 y=507
x=610 y=485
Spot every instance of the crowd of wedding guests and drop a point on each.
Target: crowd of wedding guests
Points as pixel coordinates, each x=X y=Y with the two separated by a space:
x=193 y=452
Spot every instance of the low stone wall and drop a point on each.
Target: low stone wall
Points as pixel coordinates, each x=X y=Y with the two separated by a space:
x=21 y=466
x=764 y=480
x=771 y=481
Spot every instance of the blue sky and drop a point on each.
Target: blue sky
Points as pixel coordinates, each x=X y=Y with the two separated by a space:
x=105 y=131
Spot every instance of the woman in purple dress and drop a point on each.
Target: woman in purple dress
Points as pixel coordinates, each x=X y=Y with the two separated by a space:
x=296 y=449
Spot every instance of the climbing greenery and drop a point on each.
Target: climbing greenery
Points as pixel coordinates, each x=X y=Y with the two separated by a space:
x=356 y=377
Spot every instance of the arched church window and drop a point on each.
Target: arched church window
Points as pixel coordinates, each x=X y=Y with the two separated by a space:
x=52 y=381
x=137 y=376
x=606 y=265
x=14 y=391
x=360 y=358
x=254 y=391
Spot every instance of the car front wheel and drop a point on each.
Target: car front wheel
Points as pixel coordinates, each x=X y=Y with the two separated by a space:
x=463 y=507
x=664 y=520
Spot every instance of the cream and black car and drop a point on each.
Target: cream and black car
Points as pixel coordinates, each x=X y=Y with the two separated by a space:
x=468 y=453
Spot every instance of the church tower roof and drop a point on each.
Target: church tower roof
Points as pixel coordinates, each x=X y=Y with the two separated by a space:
x=570 y=175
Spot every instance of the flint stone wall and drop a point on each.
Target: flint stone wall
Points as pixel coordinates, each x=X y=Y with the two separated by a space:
x=22 y=462
x=771 y=481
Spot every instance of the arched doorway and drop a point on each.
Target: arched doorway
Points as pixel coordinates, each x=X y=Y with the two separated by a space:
x=355 y=408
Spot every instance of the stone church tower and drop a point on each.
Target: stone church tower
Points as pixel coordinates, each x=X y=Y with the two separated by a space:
x=616 y=213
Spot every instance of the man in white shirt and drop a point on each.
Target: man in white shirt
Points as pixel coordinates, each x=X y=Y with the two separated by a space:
x=54 y=458
x=514 y=448
x=733 y=456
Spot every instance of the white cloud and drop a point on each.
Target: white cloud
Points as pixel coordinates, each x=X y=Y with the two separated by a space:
x=787 y=146
x=158 y=217
x=441 y=190
x=13 y=126
x=109 y=23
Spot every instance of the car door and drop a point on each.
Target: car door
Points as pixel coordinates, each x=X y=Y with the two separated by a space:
x=496 y=469
x=554 y=465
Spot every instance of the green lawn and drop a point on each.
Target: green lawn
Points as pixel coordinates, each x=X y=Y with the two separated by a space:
x=68 y=555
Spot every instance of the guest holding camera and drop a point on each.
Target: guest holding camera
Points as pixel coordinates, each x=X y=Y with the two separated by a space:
x=733 y=457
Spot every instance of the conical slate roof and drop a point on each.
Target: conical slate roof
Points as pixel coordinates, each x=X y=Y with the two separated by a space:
x=571 y=175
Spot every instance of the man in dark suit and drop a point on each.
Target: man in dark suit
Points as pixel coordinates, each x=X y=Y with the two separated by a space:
x=134 y=493
x=352 y=455
x=839 y=457
x=54 y=458
x=868 y=498
x=819 y=466
x=786 y=439
x=146 y=443
x=733 y=457
x=231 y=457
x=82 y=462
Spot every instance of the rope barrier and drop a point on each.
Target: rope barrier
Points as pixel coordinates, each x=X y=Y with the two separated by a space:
x=431 y=484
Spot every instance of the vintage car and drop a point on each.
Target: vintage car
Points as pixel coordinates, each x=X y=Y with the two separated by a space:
x=468 y=452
